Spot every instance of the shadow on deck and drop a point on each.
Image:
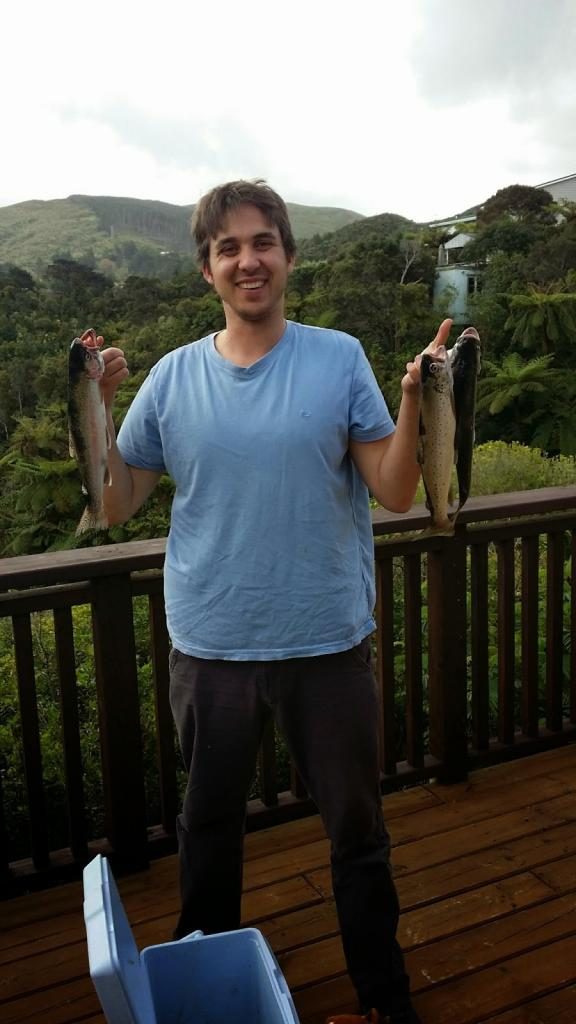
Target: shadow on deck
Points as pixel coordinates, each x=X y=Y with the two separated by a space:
x=486 y=872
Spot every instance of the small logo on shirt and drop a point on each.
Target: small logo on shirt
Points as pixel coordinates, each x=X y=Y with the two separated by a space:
x=305 y=413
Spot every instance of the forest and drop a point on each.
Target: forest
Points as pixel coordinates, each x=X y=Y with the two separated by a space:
x=373 y=278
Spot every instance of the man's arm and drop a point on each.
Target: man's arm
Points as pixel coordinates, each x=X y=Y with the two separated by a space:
x=389 y=467
x=129 y=487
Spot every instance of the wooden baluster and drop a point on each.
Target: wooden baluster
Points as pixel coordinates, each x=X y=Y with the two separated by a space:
x=447 y=656
x=573 y=630
x=31 y=739
x=117 y=683
x=554 y=631
x=413 y=660
x=165 y=737
x=530 y=633
x=479 y=646
x=385 y=660
x=4 y=856
x=506 y=641
x=65 y=660
x=267 y=766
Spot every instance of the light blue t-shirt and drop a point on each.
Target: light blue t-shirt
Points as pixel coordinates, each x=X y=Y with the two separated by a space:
x=270 y=552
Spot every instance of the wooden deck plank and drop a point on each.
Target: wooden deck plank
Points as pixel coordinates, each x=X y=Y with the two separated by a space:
x=504 y=986
x=557 y=1007
x=476 y=869
x=486 y=873
x=64 y=929
x=409 y=856
x=493 y=942
x=480 y=944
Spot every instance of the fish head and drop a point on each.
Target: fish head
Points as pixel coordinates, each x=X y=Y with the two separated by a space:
x=85 y=360
x=435 y=370
x=465 y=354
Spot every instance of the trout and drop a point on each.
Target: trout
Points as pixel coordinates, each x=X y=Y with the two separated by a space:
x=465 y=362
x=436 y=453
x=89 y=438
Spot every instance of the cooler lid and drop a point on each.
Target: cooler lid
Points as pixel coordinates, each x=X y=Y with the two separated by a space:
x=120 y=978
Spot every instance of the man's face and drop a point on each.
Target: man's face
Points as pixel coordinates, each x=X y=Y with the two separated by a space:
x=248 y=266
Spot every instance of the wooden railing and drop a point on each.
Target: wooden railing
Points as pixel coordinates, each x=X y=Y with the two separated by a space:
x=474 y=660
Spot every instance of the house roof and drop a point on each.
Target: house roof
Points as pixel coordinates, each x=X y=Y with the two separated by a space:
x=557 y=181
x=458 y=242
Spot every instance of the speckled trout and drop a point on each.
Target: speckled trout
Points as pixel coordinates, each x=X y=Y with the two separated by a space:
x=89 y=440
x=436 y=453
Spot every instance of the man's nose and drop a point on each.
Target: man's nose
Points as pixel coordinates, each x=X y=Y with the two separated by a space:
x=249 y=259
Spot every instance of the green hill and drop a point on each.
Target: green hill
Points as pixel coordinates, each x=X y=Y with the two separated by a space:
x=368 y=229
x=120 y=236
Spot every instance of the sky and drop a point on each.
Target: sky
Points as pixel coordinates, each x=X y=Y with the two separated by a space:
x=417 y=107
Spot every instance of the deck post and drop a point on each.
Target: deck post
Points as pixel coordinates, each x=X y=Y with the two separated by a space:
x=118 y=708
x=447 y=656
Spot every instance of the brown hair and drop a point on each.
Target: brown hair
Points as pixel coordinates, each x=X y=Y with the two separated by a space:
x=214 y=207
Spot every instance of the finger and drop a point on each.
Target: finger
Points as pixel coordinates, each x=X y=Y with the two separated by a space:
x=442 y=335
x=413 y=372
x=114 y=367
x=112 y=353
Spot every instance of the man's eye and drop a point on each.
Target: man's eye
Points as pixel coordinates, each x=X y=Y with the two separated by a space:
x=227 y=250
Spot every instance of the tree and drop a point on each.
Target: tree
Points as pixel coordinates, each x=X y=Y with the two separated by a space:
x=517 y=398
x=502 y=236
x=502 y=385
x=543 y=320
x=519 y=203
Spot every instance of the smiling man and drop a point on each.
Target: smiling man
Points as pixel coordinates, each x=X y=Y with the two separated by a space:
x=273 y=432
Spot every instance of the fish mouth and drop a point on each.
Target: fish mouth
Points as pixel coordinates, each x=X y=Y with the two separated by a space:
x=470 y=332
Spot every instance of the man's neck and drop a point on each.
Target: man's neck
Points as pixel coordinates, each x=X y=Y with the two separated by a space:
x=243 y=342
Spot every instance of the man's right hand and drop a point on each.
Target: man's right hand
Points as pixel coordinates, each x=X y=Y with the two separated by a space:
x=115 y=372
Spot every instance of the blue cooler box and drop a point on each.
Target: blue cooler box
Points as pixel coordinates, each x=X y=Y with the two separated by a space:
x=230 y=978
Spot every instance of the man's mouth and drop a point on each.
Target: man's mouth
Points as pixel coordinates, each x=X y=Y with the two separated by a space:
x=251 y=285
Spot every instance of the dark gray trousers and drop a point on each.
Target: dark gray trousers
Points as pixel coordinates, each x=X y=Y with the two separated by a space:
x=327 y=709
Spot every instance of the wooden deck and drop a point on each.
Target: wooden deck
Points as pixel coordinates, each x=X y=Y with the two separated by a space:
x=486 y=873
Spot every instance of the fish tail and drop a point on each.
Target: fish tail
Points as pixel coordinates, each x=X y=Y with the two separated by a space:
x=444 y=528
x=92 y=519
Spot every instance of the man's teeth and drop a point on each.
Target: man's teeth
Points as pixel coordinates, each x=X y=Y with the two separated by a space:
x=250 y=284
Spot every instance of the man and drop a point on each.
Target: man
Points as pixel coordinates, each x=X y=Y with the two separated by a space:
x=273 y=433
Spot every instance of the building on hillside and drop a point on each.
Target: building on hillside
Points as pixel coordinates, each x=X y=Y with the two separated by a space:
x=455 y=280
x=561 y=188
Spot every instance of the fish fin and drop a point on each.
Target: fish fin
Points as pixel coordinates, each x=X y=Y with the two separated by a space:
x=108 y=438
x=84 y=490
x=106 y=476
x=446 y=529
x=92 y=520
x=71 y=445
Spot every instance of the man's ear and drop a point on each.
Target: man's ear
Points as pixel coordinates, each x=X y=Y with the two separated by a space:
x=206 y=274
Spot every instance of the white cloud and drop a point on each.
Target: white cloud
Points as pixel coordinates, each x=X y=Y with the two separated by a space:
x=422 y=107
